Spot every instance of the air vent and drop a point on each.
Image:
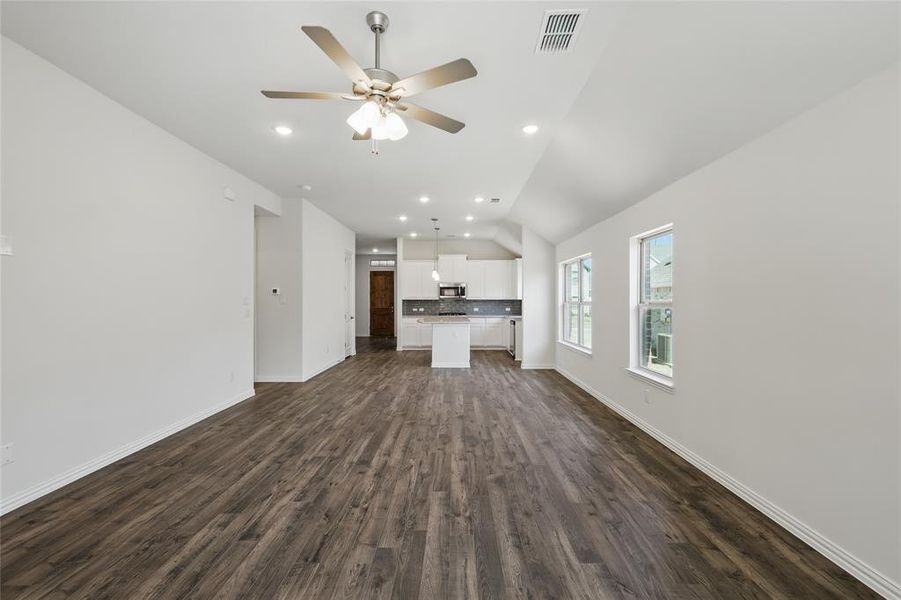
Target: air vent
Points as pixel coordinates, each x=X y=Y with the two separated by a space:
x=559 y=30
x=494 y=201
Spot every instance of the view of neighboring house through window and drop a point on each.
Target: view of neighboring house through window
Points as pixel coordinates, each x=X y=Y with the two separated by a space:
x=576 y=318
x=655 y=306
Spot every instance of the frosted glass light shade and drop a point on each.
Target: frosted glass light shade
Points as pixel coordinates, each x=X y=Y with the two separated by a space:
x=380 y=130
x=396 y=127
x=365 y=117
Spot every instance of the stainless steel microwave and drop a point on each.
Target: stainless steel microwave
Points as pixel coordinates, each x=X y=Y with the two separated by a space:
x=451 y=290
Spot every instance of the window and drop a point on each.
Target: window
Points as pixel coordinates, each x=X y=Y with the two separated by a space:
x=654 y=310
x=381 y=263
x=576 y=318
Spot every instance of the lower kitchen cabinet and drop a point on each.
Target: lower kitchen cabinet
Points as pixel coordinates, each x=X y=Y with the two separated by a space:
x=484 y=332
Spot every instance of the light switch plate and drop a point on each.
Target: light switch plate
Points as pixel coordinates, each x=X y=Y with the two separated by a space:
x=6 y=245
x=6 y=454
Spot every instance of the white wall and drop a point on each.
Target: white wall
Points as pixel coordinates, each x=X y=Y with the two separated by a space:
x=362 y=291
x=325 y=242
x=278 y=318
x=127 y=307
x=786 y=324
x=538 y=301
x=476 y=249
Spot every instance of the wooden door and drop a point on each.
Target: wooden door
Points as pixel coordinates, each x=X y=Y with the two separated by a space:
x=381 y=303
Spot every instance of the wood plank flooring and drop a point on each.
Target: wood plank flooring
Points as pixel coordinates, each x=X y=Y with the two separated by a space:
x=384 y=478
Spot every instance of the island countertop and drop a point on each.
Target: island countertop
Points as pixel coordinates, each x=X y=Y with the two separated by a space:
x=444 y=320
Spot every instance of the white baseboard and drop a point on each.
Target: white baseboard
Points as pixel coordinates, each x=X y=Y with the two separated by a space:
x=451 y=365
x=325 y=367
x=880 y=583
x=44 y=488
x=526 y=365
x=278 y=379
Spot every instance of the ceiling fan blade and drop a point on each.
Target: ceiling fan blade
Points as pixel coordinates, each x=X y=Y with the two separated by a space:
x=365 y=136
x=456 y=70
x=430 y=117
x=304 y=95
x=323 y=38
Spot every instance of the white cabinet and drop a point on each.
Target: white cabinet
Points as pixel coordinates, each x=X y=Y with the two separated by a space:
x=491 y=279
x=498 y=279
x=425 y=335
x=416 y=279
x=495 y=332
x=415 y=334
x=476 y=332
x=517 y=278
x=452 y=268
x=475 y=279
x=409 y=333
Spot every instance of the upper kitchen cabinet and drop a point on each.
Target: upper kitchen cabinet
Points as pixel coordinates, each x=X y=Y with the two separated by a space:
x=452 y=268
x=491 y=279
x=416 y=279
x=475 y=279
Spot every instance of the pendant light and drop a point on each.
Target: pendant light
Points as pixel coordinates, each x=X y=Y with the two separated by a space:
x=435 y=275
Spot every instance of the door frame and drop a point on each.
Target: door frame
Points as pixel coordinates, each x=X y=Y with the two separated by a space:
x=349 y=322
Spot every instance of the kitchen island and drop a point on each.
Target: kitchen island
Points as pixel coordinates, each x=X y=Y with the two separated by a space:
x=450 y=341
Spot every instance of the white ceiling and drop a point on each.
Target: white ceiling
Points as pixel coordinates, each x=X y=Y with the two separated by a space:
x=197 y=68
x=651 y=92
x=682 y=84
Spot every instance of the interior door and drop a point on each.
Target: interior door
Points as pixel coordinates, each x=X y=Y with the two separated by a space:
x=381 y=303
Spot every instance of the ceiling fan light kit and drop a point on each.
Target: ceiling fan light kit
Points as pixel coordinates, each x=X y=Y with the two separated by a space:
x=383 y=94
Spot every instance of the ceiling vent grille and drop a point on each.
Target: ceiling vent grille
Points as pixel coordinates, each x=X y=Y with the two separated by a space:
x=559 y=29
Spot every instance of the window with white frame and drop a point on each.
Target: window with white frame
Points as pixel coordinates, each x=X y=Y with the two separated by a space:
x=654 y=310
x=381 y=262
x=576 y=317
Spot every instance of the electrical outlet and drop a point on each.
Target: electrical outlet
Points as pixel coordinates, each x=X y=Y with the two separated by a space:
x=231 y=377
x=476 y=309
x=6 y=454
x=507 y=309
x=647 y=397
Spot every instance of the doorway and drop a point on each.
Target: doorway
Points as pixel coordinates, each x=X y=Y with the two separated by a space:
x=381 y=303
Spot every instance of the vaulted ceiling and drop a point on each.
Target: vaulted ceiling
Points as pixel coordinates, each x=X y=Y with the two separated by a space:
x=651 y=92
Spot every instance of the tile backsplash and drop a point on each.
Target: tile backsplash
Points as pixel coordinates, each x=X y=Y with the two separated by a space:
x=479 y=308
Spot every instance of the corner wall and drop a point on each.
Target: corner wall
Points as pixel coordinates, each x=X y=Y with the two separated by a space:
x=785 y=326
x=127 y=306
x=279 y=326
x=538 y=301
x=325 y=242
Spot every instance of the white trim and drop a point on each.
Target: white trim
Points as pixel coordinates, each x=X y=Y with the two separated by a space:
x=660 y=381
x=323 y=368
x=537 y=366
x=54 y=483
x=575 y=347
x=451 y=365
x=278 y=379
x=877 y=581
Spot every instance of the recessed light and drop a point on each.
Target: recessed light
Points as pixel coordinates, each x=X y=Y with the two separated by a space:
x=402 y=218
x=375 y=250
x=423 y=199
x=479 y=199
x=466 y=234
x=414 y=234
x=530 y=129
x=282 y=130
x=306 y=187
x=470 y=218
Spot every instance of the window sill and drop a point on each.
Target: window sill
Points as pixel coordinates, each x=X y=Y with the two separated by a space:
x=579 y=349
x=658 y=381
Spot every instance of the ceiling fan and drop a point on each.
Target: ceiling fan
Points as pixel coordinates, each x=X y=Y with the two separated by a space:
x=383 y=93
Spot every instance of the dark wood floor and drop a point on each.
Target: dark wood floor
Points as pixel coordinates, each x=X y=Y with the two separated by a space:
x=383 y=478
